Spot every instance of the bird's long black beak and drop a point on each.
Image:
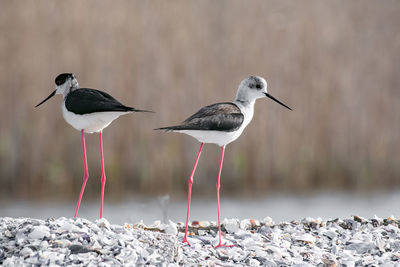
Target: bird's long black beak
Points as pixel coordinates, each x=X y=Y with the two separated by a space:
x=276 y=100
x=47 y=98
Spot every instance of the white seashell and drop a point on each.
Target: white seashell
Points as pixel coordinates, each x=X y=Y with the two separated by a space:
x=245 y=224
x=26 y=252
x=44 y=244
x=39 y=232
x=20 y=237
x=103 y=223
x=254 y=262
x=171 y=228
x=268 y=221
x=68 y=227
x=204 y=224
x=231 y=225
x=52 y=256
x=306 y=238
x=7 y=233
x=360 y=246
x=156 y=224
x=202 y=232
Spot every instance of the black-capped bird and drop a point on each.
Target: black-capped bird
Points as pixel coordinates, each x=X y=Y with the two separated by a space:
x=89 y=111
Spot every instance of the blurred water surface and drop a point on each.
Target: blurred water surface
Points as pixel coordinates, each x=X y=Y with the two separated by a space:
x=278 y=207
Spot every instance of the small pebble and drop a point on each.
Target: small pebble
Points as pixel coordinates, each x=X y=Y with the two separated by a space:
x=231 y=225
x=39 y=232
x=26 y=252
x=78 y=249
x=171 y=228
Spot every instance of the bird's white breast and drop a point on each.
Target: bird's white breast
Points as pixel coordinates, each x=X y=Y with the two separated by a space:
x=90 y=123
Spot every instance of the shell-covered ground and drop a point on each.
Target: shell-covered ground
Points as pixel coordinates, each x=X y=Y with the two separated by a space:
x=311 y=242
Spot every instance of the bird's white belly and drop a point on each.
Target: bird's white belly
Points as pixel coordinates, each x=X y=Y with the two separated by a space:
x=215 y=137
x=90 y=123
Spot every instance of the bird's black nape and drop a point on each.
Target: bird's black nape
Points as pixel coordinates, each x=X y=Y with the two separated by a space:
x=61 y=78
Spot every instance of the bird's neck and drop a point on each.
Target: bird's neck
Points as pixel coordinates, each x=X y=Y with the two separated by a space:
x=67 y=91
x=245 y=105
x=244 y=100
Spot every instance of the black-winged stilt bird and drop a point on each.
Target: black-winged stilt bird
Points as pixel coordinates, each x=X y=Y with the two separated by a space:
x=221 y=124
x=88 y=111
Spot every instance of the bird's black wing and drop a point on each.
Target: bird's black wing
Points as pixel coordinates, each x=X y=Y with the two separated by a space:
x=225 y=117
x=86 y=100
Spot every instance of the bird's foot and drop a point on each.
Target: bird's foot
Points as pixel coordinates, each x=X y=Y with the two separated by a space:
x=186 y=241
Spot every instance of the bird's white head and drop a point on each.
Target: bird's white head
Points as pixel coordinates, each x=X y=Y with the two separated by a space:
x=65 y=83
x=252 y=88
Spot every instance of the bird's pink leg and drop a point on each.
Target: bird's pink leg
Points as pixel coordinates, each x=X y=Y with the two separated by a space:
x=190 y=193
x=218 y=186
x=85 y=176
x=103 y=175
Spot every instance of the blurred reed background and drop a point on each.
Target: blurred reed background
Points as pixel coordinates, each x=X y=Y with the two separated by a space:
x=336 y=63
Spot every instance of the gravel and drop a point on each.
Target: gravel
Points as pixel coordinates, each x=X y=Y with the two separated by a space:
x=355 y=241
